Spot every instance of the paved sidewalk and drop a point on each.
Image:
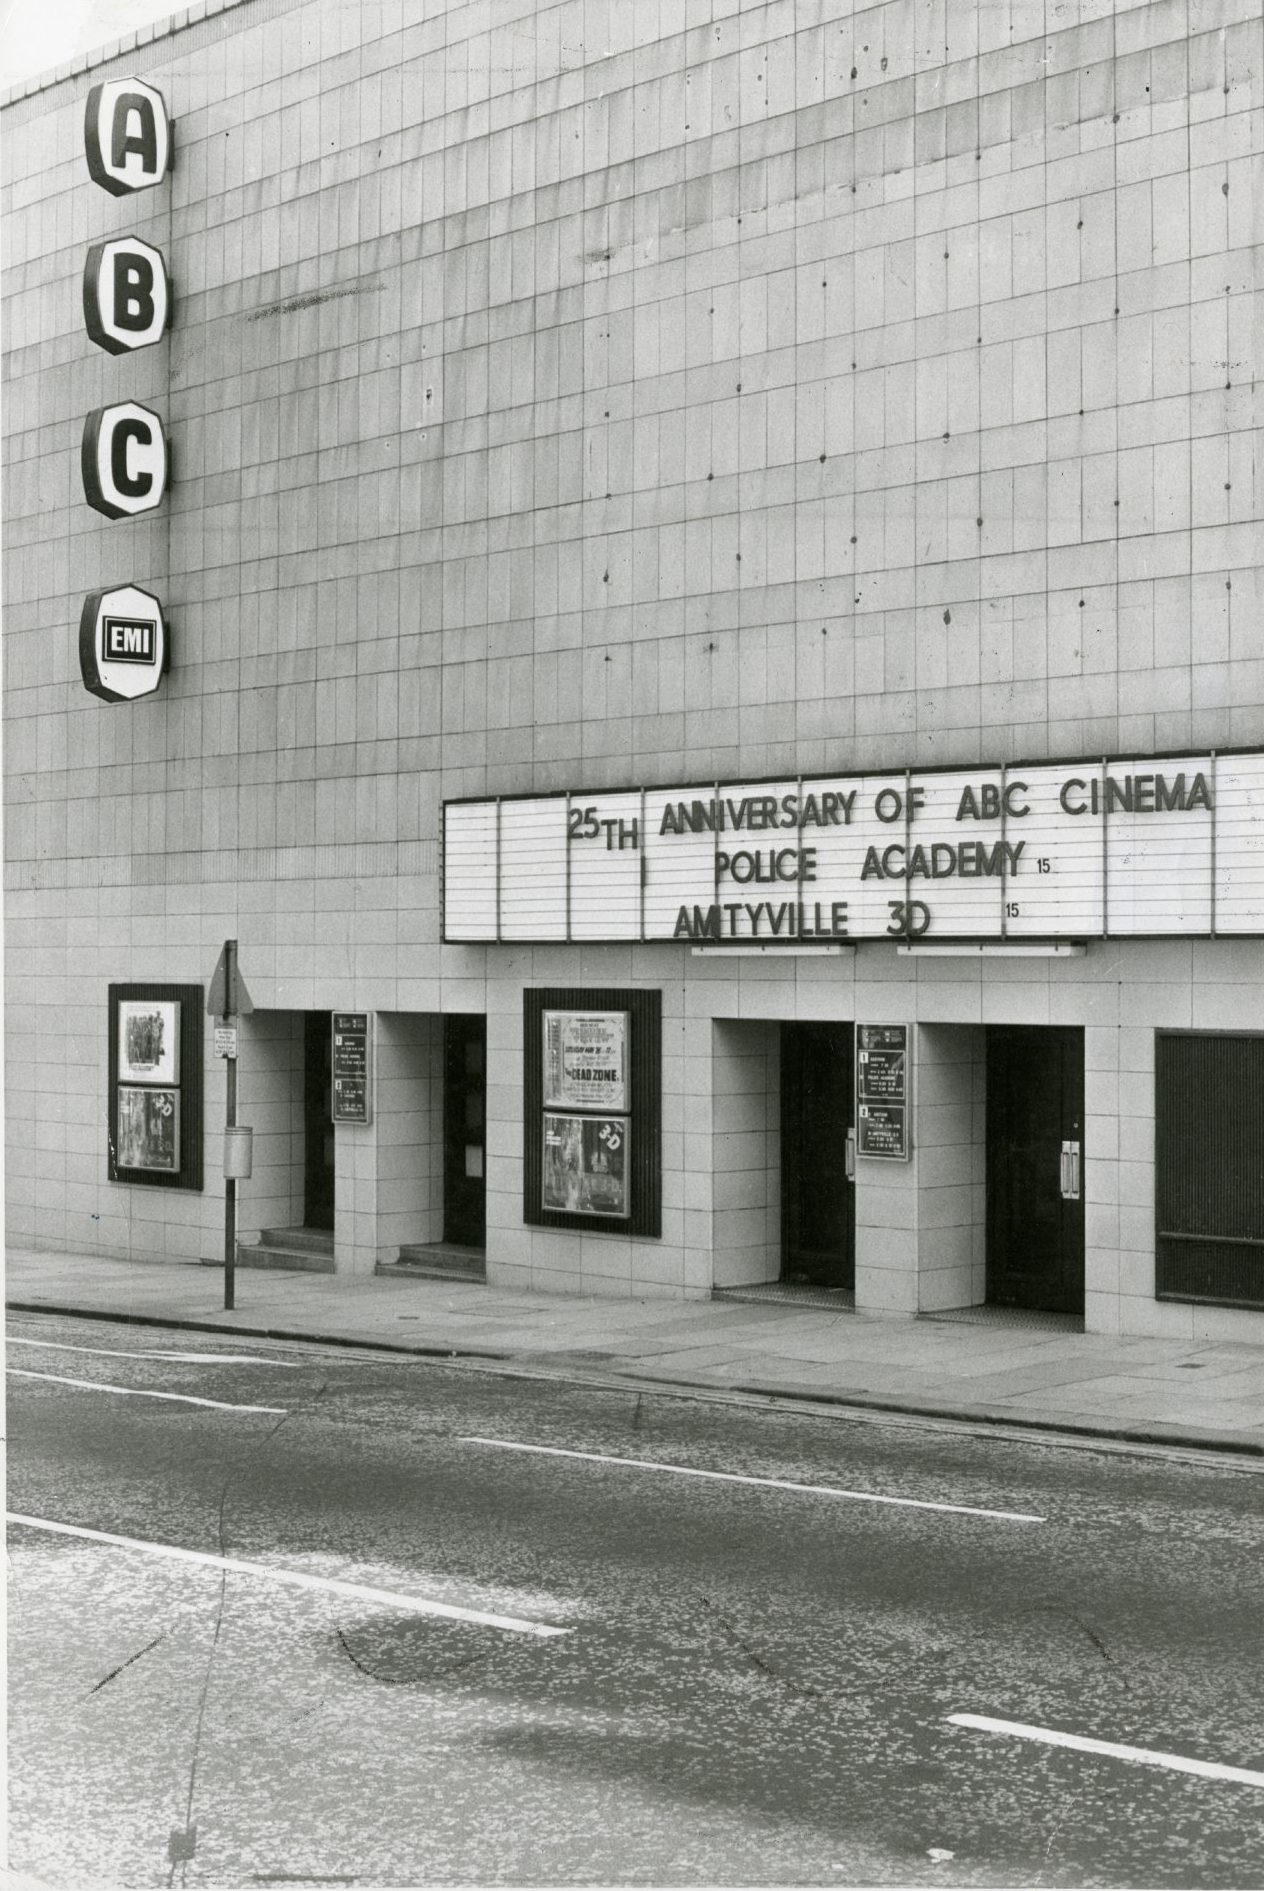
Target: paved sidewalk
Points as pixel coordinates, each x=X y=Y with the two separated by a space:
x=1189 y=1392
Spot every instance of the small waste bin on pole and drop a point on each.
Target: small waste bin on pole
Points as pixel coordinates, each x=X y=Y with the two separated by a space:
x=227 y=1001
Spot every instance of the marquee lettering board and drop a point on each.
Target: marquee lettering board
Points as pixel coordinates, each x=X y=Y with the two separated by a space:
x=1156 y=846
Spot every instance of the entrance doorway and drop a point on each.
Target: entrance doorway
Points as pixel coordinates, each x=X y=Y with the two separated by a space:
x=318 y=1113
x=464 y=1130
x=1035 y=1194
x=818 y=1201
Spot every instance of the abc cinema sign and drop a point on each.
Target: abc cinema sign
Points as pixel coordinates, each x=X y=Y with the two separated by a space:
x=124 y=458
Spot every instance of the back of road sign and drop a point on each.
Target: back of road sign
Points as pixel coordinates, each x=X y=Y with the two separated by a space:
x=228 y=997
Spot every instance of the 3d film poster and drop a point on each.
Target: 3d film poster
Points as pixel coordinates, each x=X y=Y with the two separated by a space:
x=586 y=1165
x=148 y=1129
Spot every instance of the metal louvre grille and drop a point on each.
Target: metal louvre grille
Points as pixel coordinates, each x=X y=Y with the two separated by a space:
x=1209 y=1157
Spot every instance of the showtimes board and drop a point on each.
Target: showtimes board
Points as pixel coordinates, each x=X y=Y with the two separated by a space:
x=882 y=1091
x=1154 y=846
x=352 y=1095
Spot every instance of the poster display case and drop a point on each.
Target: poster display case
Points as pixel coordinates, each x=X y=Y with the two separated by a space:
x=154 y=1113
x=592 y=1097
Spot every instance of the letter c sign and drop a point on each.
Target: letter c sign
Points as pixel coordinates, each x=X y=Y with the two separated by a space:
x=127 y=136
x=124 y=460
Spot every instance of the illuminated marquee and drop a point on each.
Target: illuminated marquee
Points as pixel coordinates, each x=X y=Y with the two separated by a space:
x=1154 y=846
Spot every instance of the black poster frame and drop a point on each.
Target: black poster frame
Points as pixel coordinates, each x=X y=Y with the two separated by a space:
x=645 y=1079
x=189 y=1083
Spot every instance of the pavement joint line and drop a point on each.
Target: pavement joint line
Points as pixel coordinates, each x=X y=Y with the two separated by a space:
x=1233 y=1447
x=763 y=1483
x=144 y=1392
x=295 y=1578
x=1081 y=1743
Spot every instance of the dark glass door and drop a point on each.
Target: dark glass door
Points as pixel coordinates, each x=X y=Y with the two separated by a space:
x=1035 y=1190
x=318 y=1084
x=818 y=1202
x=464 y=1130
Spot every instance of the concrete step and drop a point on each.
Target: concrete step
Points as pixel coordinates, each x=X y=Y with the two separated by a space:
x=311 y=1240
x=436 y=1260
x=288 y=1250
x=293 y=1260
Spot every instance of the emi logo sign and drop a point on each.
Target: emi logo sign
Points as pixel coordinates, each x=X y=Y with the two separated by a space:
x=131 y=640
x=122 y=643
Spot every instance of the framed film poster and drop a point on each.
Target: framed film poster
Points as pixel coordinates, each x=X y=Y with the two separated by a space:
x=586 y=1168
x=592 y=1088
x=155 y=1085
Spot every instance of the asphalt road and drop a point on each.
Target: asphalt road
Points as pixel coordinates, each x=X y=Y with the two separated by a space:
x=755 y=1685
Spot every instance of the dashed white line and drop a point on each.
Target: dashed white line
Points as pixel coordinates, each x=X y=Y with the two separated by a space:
x=764 y=1483
x=184 y=1359
x=142 y=1392
x=295 y=1578
x=1139 y=1756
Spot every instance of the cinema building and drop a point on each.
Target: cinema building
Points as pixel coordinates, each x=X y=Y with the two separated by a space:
x=685 y=584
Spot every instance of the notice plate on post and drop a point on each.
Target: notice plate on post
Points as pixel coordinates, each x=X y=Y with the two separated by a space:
x=882 y=1091
x=352 y=1088
x=226 y=1040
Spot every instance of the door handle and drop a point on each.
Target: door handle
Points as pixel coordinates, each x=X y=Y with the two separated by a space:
x=1070 y=1171
x=849 y=1156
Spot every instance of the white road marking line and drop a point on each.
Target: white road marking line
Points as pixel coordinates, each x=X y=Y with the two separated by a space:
x=142 y=1392
x=765 y=1483
x=184 y=1359
x=1141 y=1756
x=296 y=1578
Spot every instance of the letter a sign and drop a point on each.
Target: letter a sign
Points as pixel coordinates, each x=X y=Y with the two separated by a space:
x=127 y=135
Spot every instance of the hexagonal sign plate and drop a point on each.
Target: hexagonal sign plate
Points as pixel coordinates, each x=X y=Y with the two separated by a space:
x=123 y=644
x=126 y=295
x=124 y=460
x=126 y=136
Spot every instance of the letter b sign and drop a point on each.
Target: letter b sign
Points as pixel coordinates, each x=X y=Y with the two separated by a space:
x=126 y=295
x=127 y=136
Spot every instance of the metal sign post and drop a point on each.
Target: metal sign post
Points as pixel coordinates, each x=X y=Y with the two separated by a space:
x=227 y=1000
x=230 y=1181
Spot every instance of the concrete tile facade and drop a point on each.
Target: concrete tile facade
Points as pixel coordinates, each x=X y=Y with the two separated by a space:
x=572 y=395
